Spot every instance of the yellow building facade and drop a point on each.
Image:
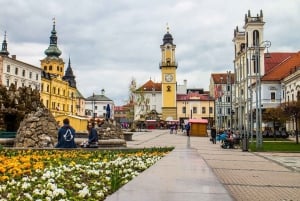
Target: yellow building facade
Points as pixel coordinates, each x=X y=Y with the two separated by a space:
x=168 y=67
x=58 y=89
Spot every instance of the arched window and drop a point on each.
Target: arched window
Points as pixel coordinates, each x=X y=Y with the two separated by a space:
x=255 y=38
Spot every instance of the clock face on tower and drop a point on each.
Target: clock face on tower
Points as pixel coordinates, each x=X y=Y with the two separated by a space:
x=168 y=77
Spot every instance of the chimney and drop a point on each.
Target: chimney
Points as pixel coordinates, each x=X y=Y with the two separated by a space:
x=14 y=57
x=185 y=82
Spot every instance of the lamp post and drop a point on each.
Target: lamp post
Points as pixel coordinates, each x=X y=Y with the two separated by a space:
x=93 y=105
x=221 y=103
x=72 y=97
x=258 y=110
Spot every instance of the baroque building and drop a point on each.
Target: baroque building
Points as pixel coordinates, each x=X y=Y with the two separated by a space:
x=58 y=90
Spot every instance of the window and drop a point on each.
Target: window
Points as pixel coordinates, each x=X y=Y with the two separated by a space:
x=184 y=110
x=57 y=68
x=228 y=111
x=23 y=73
x=228 y=99
x=194 y=110
x=272 y=96
x=8 y=68
x=203 y=110
x=210 y=110
x=228 y=87
x=96 y=108
x=37 y=76
x=255 y=38
x=45 y=68
x=30 y=75
x=104 y=107
x=7 y=82
x=50 y=67
x=16 y=71
x=47 y=88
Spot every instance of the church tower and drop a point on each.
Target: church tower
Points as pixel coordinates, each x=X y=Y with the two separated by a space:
x=4 y=51
x=168 y=66
x=52 y=63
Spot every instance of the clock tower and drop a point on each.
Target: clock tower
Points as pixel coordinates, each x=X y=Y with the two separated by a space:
x=168 y=66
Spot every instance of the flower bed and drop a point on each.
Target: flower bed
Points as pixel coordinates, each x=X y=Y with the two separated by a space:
x=70 y=174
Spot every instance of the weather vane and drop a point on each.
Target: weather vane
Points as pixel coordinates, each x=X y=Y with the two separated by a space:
x=168 y=27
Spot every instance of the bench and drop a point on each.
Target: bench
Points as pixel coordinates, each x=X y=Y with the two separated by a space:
x=6 y=134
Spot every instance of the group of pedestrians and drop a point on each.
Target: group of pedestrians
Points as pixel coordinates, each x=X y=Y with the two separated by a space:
x=185 y=128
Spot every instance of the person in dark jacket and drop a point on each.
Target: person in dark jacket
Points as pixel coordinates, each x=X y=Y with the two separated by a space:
x=213 y=134
x=66 y=136
x=93 y=135
x=188 y=128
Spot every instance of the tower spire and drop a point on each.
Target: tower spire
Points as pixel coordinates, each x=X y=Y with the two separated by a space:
x=53 y=50
x=69 y=76
x=4 y=51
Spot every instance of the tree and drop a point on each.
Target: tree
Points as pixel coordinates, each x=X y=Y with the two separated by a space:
x=274 y=115
x=292 y=110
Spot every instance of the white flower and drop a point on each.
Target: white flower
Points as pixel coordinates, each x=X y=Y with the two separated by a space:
x=84 y=192
x=37 y=192
x=3 y=188
x=59 y=191
x=28 y=196
x=25 y=185
x=100 y=194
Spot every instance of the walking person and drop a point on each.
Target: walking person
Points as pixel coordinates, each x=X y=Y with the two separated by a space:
x=213 y=134
x=66 y=136
x=188 y=128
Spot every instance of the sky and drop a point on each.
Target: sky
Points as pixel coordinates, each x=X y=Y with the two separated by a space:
x=111 y=42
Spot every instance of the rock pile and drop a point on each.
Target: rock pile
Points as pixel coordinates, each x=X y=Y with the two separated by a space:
x=37 y=130
x=108 y=130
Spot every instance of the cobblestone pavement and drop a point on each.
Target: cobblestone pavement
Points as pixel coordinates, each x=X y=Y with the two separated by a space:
x=246 y=175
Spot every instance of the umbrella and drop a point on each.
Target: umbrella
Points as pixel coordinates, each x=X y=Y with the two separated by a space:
x=107 y=112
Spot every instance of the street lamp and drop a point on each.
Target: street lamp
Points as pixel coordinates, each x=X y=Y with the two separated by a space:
x=258 y=110
x=72 y=97
x=93 y=105
x=221 y=104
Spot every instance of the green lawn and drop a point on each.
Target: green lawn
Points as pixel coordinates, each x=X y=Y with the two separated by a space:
x=280 y=145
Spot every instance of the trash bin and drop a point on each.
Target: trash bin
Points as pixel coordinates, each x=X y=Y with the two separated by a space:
x=245 y=144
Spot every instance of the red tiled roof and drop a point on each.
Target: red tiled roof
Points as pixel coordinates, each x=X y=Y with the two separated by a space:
x=283 y=69
x=217 y=78
x=150 y=86
x=275 y=59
